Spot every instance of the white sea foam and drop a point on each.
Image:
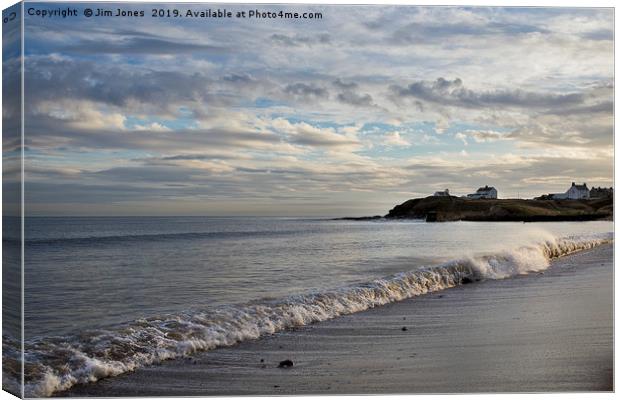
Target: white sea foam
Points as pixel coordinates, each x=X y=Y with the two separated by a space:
x=56 y=364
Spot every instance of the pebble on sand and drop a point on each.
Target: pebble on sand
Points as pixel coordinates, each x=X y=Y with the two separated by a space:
x=285 y=364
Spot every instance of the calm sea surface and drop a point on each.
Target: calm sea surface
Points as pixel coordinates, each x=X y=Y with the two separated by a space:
x=90 y=273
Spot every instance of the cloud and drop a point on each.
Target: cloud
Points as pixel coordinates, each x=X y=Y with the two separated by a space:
x=154 y=127
x=303 y=91
x=140 y=90
x=349 y=94
x=462 y=137
x=599 y=34
x=305 y=134
x=566 y=131
x=300 y=40
x=479 y=136
x=345 y=85
x=200 y=156
x=47 y=133
x=83 y=114
x=433 y=31
x=339 y=115
x=237 y=78
x=140 y=45
x=453 y=92
x=606 y=107
x=395 y=139
x=355 y=99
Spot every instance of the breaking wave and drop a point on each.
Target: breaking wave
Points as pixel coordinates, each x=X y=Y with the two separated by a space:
x=57 y=363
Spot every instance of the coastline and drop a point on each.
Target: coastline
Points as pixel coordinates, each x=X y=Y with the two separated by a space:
x=537 y=332
x=450 y=208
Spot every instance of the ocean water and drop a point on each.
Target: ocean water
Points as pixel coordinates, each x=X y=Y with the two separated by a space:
x=105 y=296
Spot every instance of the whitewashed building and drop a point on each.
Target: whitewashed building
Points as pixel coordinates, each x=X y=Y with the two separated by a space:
x=486 y=192
x=442 y=193
x=575 y=192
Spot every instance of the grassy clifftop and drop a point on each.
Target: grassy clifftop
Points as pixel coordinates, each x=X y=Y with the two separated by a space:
x=456 y=208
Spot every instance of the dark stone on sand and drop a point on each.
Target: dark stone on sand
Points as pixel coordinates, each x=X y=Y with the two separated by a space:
x=262 y=360
x=404 y=328
x=466 y=280
x=285 y=364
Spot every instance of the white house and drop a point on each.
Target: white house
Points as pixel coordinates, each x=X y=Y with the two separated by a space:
x=575 y=192
x=486 y=192
x=442 y=193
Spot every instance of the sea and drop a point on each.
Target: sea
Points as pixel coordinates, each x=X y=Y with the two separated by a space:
x=108 y=295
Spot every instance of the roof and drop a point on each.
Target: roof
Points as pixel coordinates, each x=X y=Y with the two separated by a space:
x=485 y=189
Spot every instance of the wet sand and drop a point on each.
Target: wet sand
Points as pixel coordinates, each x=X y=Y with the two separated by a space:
x=534 y=333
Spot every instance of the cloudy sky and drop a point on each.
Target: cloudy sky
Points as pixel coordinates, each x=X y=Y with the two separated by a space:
x=345 y=115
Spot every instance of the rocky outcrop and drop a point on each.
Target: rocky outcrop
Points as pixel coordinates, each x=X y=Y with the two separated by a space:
x=438 y=209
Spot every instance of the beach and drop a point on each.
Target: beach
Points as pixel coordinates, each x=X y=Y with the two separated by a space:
x=307 y=199
x=540 y=332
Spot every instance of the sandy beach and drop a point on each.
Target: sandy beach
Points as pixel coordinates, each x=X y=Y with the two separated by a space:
x=533 y=333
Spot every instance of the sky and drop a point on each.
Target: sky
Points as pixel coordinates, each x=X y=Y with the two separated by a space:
x=349 y=114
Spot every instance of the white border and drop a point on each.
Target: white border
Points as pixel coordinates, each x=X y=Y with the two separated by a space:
x=485 y=3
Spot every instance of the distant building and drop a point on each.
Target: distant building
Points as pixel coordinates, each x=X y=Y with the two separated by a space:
x=601 y=192
x=487 y=192
x=575 y=192
x=442 y=193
